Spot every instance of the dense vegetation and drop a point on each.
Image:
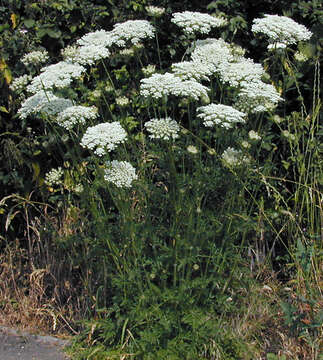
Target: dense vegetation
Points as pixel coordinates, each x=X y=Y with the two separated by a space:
x=189 y=225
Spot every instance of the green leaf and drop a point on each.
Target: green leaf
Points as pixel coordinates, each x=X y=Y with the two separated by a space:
x=3 y=109
x=55 y=34
x=29 y=23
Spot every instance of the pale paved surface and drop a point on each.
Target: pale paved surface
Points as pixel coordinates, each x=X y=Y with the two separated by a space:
x=23 y=346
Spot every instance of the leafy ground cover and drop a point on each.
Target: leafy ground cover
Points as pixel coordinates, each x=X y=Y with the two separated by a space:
x=163 y=178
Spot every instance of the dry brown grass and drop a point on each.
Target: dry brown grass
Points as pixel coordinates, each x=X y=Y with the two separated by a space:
x=27 y=297
x=262 y=323
x=40 y=290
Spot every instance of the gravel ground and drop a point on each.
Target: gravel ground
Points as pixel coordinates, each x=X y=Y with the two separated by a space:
x=15 y=345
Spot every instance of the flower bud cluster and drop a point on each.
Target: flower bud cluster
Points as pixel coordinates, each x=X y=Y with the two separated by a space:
x=36 y=57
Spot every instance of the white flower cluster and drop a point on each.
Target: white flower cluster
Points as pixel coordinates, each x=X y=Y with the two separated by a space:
x=58 y=75
x=232 y=157
x=196 y=22
x=159 y=85
x=54 y=177
x=88 y=55
x=120 y=173
x=73 y=115
x=35 y=57
x=257 y=96
x=164 y=129
x=222 y=115
x=20 y=82
x=122 y=101
x=104 y=137
x=190 y=89
x=192 y=69
x=245 y=70
x=155 y=11
x=45 y=102
x=96 y=38
x=95 y=45
x=281 y=29
x=133 y=31
x=212 y=53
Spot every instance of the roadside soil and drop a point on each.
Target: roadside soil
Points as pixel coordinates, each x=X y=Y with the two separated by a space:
x=16 y=345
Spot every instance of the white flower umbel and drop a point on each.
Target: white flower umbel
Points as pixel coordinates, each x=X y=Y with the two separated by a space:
x=120 y=173
x=73 y=115
x=58 y=75
x=281 y=29
x=164 y=129
x=155 y=11
x=20 y=83
x=221 y=115
x=190 y=89
x=45 y=102
x=159 y=85
x=104 y=137
x=245 y=70
x=212 y=53
x=132 y=31
x=196 y=22
x=257 y=97
x=97 y=38
x=232 y=157
x=89 y=54
x=36 y=57
x=188 y=70
x=54 y=177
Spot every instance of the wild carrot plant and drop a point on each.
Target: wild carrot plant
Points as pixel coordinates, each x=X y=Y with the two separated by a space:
x=179 y=171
